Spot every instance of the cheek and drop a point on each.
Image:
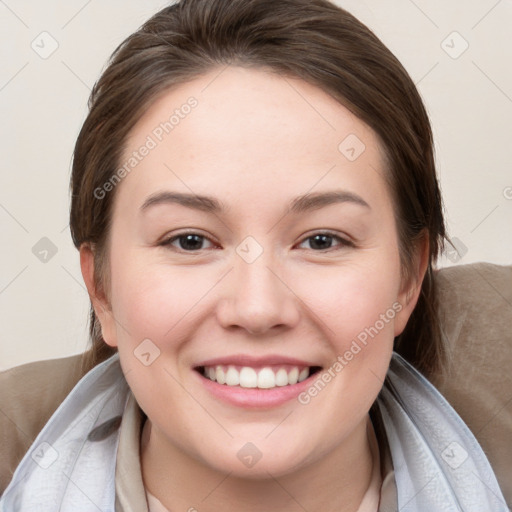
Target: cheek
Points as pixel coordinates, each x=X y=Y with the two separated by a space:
x=357 y=305
x=148 y=300
x=353 y=297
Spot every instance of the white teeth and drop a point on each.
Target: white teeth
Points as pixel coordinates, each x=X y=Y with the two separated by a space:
x=247 y=377
x=282 y=377
x=220 y=376
x=304 y=374
x=232 y=377
x=266 y=379
x=293 y=376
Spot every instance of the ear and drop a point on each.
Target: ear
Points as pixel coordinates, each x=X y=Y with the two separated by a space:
x=98 y=297
x=410 y=290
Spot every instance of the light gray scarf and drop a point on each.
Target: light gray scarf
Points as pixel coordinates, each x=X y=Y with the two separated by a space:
x=439 y=465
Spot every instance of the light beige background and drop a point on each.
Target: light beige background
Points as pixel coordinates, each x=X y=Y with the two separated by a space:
x=44 y=305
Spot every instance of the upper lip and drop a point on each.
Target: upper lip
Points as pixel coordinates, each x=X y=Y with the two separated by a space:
x=252 y=361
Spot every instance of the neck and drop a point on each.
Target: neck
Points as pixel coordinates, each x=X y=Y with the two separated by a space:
x=336 y=482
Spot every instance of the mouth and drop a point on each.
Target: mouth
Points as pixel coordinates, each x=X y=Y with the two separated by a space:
x=252 y=383
x=260 y=377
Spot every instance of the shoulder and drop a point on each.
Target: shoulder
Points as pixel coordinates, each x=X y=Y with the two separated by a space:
x=475 y=308
x=477 y=281
x=29 y=395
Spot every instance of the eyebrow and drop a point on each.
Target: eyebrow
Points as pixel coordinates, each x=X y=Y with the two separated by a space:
x=300 y=204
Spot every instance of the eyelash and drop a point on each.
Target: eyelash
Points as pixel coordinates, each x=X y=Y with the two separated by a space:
x=343 y=243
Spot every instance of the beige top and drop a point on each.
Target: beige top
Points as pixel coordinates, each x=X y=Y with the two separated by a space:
x=154 y=504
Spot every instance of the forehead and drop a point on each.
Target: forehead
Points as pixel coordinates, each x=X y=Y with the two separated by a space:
x=248 y=133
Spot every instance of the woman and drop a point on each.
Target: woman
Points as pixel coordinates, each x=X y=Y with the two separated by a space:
x=258 y=217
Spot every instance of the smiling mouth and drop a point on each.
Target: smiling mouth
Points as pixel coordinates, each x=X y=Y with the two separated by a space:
x=267 y=377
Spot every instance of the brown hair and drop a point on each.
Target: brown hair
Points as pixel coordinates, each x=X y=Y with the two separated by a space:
x=313 y=40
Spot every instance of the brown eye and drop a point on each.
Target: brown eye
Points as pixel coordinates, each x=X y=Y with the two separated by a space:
x=187 y=242
x=324 y=241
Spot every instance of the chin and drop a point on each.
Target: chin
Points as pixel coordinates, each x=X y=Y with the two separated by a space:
x=258 y=461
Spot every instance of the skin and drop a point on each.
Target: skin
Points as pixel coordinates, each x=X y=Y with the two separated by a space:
x=255 y=141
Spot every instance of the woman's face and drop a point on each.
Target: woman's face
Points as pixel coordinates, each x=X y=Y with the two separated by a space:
x=290 y=266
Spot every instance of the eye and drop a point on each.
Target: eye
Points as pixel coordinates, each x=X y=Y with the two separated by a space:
x=324 y=241
x=187 y=242
x=191 y=241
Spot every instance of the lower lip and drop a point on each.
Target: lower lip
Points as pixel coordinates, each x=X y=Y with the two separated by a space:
x=252 y=398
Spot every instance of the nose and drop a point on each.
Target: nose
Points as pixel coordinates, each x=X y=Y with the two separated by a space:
x=257 y=298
